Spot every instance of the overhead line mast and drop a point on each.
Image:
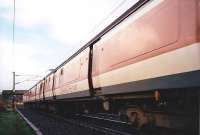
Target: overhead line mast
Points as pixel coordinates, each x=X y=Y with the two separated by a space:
x=13 y=53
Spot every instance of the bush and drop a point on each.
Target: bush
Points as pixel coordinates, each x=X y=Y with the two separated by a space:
x=2 y=105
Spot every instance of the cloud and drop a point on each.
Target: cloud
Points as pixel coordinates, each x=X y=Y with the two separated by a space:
x=6 y=54
x=24 y=62
x=5 y=65
x=69 y=22
x=6 y=3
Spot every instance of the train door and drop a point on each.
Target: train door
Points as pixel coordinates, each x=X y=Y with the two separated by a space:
x=40 y=90
x=82 y=84
x=83 y=73
x=53 y=86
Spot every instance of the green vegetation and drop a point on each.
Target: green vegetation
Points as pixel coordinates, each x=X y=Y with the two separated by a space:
x=12 y=124
x=2 y=104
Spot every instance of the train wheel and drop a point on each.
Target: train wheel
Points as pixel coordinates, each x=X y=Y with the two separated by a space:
x=136 y=116
x=123 y=115
x=106 y=105
x=86 y=110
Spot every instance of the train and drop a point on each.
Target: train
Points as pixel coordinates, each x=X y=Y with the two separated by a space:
x=144 y=66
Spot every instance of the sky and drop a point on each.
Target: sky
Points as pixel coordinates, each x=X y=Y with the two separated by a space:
x=47 y=32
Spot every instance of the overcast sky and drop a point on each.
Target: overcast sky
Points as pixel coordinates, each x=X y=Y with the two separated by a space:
x=47 y=32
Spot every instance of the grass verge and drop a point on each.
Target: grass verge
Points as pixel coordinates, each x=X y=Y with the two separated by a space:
x=12 y=124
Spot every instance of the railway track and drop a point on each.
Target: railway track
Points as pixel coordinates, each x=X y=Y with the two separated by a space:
x=90 y=124
x=111 y=124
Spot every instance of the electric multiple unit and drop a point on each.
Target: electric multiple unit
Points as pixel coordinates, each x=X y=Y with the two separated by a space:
x=145 y=62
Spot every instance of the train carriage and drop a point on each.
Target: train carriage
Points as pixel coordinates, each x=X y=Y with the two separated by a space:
x=71 y=80
x=161 y=54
